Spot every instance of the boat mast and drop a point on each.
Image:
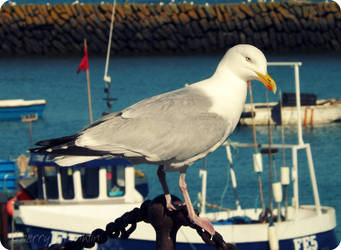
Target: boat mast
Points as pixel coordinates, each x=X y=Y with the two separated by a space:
x=298 y=104
x=107 y=78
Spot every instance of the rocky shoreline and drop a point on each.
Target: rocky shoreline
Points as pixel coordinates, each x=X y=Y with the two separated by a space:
x=169 y=28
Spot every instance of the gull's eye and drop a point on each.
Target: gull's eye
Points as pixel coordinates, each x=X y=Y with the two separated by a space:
x=248 y=59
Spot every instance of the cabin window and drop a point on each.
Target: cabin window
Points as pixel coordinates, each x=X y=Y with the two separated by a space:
x=115 y=181
x=90 y=182
x=67 y=183
x=51 y=183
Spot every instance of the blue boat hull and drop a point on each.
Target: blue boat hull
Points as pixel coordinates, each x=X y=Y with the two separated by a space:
x=15 y=113
x=39 y=237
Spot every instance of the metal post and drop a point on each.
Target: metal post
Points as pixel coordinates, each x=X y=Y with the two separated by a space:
x=30 y=131
x=77 y=184
x=43 y=178
x=295 y=180
x=59 y=184
x=29 y=118
x=313 y=179
x=103 y=191
x=298 y=105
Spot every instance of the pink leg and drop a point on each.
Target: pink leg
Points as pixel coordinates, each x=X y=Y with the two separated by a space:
x=203 y=223
x=162 y=178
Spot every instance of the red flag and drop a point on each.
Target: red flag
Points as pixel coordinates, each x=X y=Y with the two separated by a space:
x=84 y=63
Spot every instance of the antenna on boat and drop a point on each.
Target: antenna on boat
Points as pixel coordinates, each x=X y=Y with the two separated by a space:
x=257 y=157
x=285 y=171
x=107 y=78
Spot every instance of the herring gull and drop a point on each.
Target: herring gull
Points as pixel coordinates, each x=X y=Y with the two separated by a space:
x=174 y=129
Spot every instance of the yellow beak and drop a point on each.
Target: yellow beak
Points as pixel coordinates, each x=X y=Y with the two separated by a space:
x=269 y=83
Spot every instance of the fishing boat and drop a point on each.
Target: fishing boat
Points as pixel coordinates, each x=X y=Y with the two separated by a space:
x=15 y=109
x=313 y=111
x=73 y=201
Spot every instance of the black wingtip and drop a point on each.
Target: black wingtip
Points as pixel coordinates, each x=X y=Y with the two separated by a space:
x=57 y=141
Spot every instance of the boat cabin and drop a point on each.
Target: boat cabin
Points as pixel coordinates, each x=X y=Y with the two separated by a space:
x=114 y=179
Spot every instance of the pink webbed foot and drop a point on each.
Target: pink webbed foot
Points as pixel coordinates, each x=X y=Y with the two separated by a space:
x=201 y=222
x=204 y=224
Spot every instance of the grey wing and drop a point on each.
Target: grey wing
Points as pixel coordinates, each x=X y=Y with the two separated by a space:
x=173 y=127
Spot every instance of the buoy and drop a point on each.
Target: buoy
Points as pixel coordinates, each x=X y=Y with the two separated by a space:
x=10 y=206
x=233 y=178
x=21 y=195
x=257 y=163
x=273 y=241
x=277 y=191
x=285 y=175
x=228 y=153
x=258 y=168
x=285 y=180
x=234 y=185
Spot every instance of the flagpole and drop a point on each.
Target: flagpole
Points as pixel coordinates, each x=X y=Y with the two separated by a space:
x=88 y=85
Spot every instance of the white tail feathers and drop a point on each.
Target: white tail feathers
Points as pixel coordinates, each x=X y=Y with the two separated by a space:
x=70 y=160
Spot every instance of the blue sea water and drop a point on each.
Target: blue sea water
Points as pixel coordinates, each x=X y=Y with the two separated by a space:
x=54 y=78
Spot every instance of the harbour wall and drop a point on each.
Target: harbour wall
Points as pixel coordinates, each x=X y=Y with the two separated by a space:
x=169 y=28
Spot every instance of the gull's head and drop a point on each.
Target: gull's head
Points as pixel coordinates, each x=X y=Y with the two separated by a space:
x=248 y=63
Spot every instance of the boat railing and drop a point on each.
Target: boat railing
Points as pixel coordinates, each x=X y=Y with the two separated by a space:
x=294 y=171
x=293 y=147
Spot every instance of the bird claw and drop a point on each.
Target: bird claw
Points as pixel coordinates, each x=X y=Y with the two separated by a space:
x=171 y=206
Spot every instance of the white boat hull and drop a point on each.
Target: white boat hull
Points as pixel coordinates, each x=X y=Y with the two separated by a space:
x=326 y=111
x=55 y=223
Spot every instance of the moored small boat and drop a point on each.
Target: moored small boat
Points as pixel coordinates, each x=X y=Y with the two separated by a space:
x=293 y=107
x=15 y=109
x=319 y=112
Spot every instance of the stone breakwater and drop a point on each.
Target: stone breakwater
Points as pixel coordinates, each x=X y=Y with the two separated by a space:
x=160 y=28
